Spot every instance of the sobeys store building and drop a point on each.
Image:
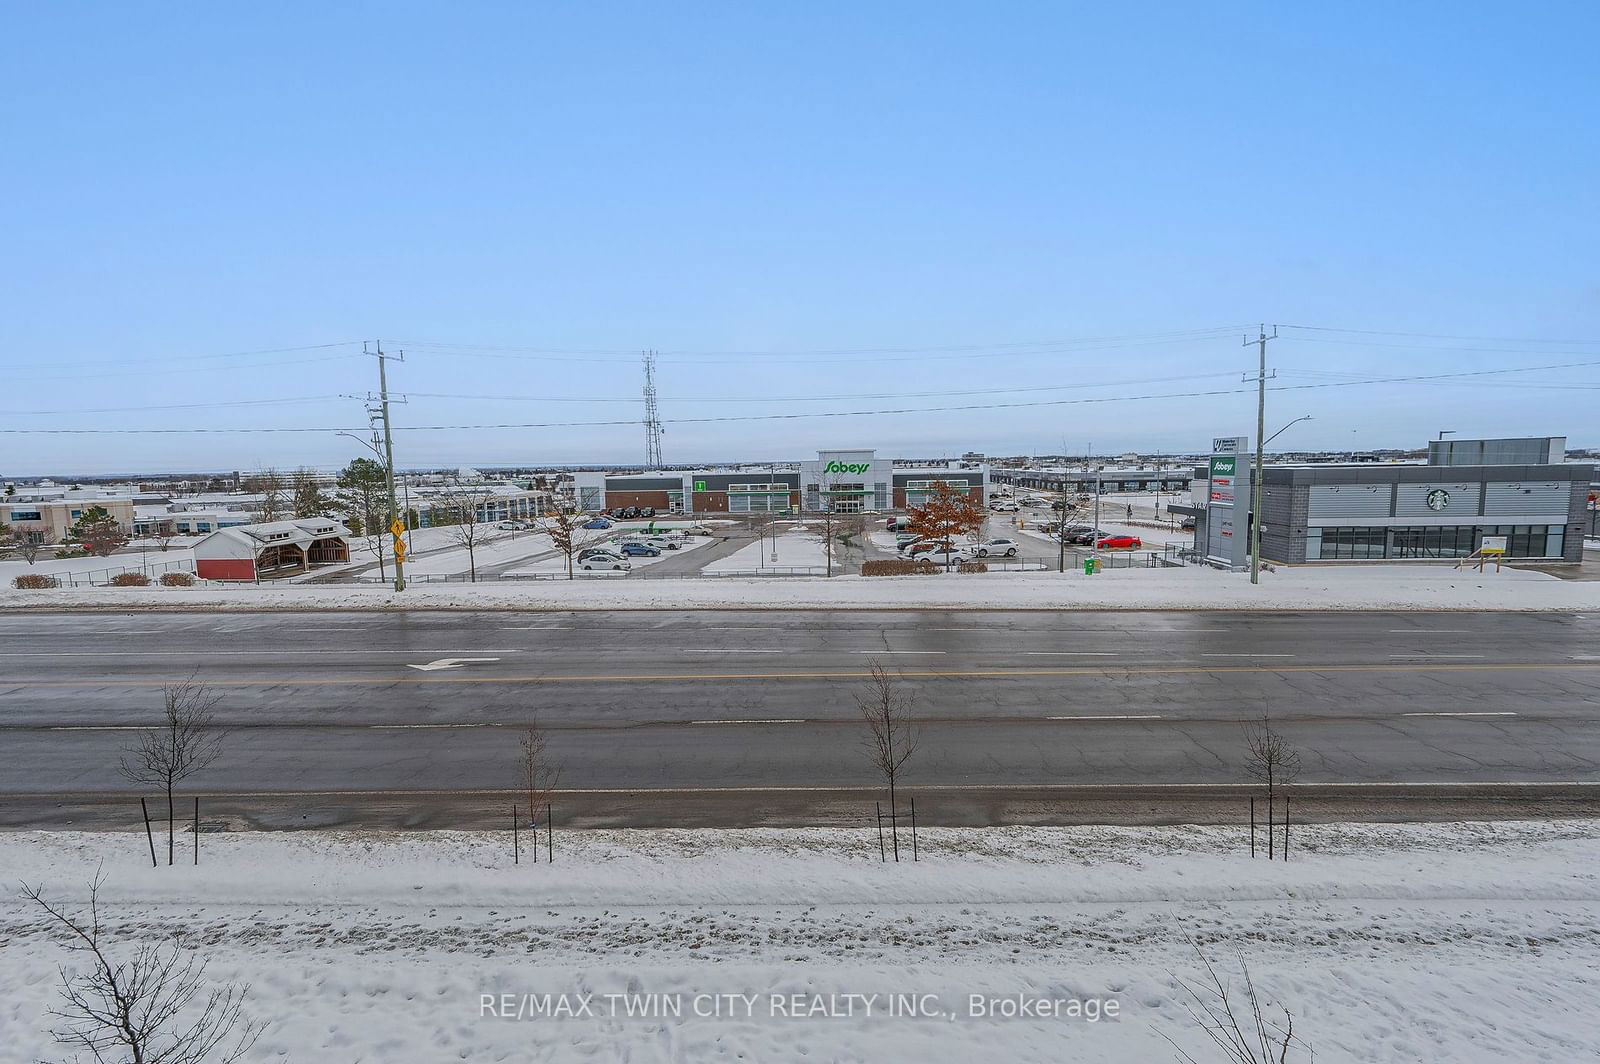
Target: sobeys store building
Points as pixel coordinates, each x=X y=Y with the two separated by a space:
x=842 y=481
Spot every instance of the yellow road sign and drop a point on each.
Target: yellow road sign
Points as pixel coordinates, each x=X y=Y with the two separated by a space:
x=396 y=527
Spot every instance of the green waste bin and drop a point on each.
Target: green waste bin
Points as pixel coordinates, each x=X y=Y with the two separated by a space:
x=1089 y=566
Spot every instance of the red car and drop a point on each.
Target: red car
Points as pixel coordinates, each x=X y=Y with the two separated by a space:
x=1120 y=543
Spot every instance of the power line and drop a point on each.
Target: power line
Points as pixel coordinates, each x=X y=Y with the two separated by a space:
x=1437 y=336
x=189 y=369
x=824 y=398
x=186 y=358
x=1094 y=400
x=178 y=406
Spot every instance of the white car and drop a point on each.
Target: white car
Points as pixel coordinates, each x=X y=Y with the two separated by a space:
x=606 y=561
x=940 y=556
x=1005 y=547
x=1004 y=507
x=513 y=526
x=664 y=542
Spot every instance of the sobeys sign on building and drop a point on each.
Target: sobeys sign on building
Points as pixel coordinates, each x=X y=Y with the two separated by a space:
x=846 y=467
x=1224 y=466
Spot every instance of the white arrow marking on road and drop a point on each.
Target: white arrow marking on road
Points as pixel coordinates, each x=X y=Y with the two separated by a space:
x=447 y=663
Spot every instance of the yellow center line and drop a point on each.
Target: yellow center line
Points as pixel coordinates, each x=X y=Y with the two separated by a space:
x=852 y=674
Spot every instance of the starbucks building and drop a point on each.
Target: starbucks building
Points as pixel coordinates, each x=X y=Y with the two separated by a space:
x=1520 y=495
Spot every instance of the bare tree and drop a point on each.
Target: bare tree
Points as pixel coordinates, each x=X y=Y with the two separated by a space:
x=850 y=532
x=1272 y=761
x=186 y=741
x=30 y=542
x=825 y=527
x=460 y=521
x=566 y=534
x=892 y=733
x=164 y=533
x=1241 y=1033
x=273 y=505
x=540 y=772
x=307 y=498
x=152 y=1009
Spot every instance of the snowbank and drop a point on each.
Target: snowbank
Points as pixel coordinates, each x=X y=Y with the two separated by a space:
x=1468 y=942
x=1384 y=586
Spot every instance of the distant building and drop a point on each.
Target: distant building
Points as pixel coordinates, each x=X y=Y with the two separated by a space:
x=51 y=519
x=838 y=481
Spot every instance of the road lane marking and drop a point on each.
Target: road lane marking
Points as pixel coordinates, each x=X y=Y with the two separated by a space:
x=1462 y=713
x=853 y=674
x=96 y=727
x=537 y=628
x=728 y=650
x=290 y=652
x=1429 y=631
x=1257 y=655
x=450 y=663
x=900 y=652
x=1427 y=654
x=1120 y=716
x=1073 y=653
x=410 y=727
x=778 y=720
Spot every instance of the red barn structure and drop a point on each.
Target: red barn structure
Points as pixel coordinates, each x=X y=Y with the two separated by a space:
x=271 y=550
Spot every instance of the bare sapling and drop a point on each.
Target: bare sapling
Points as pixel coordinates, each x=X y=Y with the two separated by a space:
x=892 y=734
x=185 y=742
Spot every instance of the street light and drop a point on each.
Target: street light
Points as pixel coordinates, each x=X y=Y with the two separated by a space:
x=1255 y=494
x=1286 y=428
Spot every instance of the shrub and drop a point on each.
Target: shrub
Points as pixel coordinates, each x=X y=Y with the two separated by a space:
x=35 y=580
x=898 y=567
x=972 y=567
x=130 y=580
x=177 y=579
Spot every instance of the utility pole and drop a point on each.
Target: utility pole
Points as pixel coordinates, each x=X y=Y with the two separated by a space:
x=1261 y=446
x=388 y=461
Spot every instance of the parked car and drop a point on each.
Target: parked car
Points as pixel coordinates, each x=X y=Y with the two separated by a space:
x=640 y=550
x=1083 y=536
x=940 y=556
x=605 y=561
x=1188 y=525
x=664 y=542
x=903 y=538
x=513 y=526
x=647 y=511
x=589 y=552
x=919 y=547
x=598 y=522
x=698 y=530
x=1006 y=547
x=1120 y=543
x=1003 y=507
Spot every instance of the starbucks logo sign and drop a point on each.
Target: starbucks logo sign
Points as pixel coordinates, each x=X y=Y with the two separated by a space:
x=1438 y=499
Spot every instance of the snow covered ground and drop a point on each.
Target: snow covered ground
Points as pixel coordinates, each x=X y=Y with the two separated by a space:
x=1379 y=586
x=791 y=548
x=1439 y=943
x=494 y=547
x=154 y=559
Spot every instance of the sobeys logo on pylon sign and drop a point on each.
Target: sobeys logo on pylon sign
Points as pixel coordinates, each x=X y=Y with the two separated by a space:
x=846 y=467
x=1223 y=467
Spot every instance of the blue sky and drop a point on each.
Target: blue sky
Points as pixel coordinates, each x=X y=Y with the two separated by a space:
x=741 y=186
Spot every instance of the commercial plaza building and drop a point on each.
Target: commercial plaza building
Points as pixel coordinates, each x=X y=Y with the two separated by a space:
x=839 y=481
x=1441 y=510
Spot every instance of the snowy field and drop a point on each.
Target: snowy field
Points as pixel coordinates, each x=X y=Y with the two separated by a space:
x=791 y=549
x=1473 y=943
x=1402 y=587
x=155 y=559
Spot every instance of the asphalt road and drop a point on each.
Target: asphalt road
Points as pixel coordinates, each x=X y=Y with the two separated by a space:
x=332 y=702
